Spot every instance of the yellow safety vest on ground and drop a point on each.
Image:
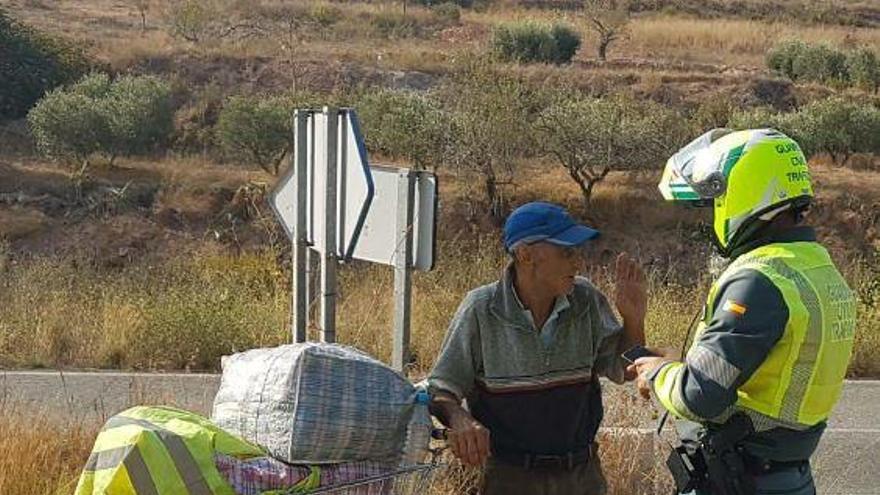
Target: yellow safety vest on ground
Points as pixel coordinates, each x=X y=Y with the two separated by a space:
x=160 y=451
x=801 y=380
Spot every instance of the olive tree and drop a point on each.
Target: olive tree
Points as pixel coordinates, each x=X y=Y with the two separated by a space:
x=258 y=130
x=404 y=124
x=864 y=69
x=129 y=116
x=608 y=20
x=530 y=41
x=835 y=126
x=491 y=115
x=140 y=114
x=838 y=127
x=591 y=137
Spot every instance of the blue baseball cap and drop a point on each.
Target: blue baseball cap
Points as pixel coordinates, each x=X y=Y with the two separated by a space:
x=547 y=222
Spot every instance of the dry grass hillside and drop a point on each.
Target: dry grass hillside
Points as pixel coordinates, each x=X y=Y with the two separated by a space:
x=171 y=260
x=126 y=233
x=157 y=255
x=252 y=44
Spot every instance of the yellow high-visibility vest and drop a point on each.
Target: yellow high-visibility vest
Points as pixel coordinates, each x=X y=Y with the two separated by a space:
x=159 y=451
x=801 y=380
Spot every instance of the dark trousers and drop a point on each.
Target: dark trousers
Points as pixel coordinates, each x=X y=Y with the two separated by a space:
x=500 y=478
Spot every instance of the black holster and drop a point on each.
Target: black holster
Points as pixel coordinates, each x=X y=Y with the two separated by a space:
x=718 y=465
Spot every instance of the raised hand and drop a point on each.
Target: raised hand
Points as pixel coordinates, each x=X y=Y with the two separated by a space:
x=630 y=289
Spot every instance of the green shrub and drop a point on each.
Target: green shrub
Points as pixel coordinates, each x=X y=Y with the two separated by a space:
x=523 y=42
x=129 y=116
x=822 y=63
x=256 y=130
x=403 y=124
x=864 y=69
x=140 y=114
x=712 y=113
x=769 y=118
x=781 y=57
x=95 y=86
x=69 y=127
x=417 y=23
x=793 y=124
x=448 y=11
x=835 y=126
x=760 y=117
x=567 y=43
x=388 y=24
x=325 y=15
x=32 y=63
x=534 y=42
x=259 y=129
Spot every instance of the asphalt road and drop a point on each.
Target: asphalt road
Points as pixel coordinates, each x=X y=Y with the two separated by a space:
x=847 y=463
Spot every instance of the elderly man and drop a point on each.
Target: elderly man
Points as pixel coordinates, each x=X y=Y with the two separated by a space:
x=526 y=351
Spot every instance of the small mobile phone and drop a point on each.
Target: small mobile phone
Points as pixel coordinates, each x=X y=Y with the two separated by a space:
x=636 y=352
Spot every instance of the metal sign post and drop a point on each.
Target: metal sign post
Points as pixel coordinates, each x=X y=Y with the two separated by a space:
x=328 y=260
x=301 y=268
x=406 y=186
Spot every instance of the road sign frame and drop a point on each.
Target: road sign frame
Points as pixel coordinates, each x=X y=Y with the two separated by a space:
x=352 y=163
x=373 y=244
x=313 y=201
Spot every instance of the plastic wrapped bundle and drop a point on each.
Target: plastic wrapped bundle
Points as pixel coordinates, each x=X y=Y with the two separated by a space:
x=315 y=403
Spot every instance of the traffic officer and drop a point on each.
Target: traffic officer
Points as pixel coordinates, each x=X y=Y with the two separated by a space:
x=769 y=356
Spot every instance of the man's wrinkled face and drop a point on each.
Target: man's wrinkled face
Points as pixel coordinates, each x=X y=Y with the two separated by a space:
x=555 y=267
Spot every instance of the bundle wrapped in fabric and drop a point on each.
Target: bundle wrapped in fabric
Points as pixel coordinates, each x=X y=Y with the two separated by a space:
x=315 y=403
x=269 y=476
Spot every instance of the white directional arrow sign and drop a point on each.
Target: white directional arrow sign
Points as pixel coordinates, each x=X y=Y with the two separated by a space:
x=354 y=184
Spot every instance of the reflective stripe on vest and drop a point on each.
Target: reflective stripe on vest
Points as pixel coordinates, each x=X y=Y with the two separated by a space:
x=184 y=473
x=802 y=377
x=183 y=460
x=135 y=468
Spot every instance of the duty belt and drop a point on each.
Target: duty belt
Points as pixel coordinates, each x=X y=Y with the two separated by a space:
x=546 y=461
x=758 y=467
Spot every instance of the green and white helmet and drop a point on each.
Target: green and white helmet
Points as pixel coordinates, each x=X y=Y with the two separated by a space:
x=748 y=177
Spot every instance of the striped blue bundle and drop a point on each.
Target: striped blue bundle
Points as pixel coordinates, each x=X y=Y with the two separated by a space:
x=315 y=403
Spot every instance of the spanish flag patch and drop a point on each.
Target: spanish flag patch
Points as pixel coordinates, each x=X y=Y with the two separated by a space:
x=734 y=307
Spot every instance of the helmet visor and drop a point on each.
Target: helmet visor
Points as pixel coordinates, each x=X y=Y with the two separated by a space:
x=696 y=172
